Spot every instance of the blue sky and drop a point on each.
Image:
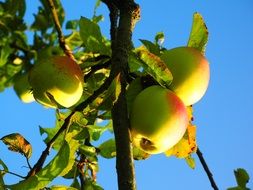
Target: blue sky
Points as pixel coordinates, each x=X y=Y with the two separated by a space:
x=224 y=116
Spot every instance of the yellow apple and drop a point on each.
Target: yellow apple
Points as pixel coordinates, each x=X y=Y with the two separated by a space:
x=56 y=82
x=158 y=120
x=23 y=89
x=191 y=73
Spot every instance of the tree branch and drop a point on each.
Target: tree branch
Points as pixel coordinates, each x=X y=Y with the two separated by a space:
x=61 y=38
x=208 y=172
x=121 y=42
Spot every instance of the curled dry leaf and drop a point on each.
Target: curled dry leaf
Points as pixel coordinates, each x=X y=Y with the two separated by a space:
x=17 y=143
x=186 y=145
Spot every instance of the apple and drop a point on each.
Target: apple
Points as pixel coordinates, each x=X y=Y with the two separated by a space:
x=56 y=82
x=191 y=73
x=23 y=89
x=158 y=120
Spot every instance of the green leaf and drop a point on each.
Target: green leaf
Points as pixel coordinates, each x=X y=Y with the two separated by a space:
x=5 y=168
x=155 y=67
x=159 y=38
x=139 y=154
x=92 y=38
x=72 y=24
x=190 y=161
x=153 y=48
x=108 y=149
x=17 y=143
x=88 y=150
x=59 y=166
x=133 y=90
x=4 y=54
x=242 y=177
x=91 y=185
x=96 y=131
x=199 y=33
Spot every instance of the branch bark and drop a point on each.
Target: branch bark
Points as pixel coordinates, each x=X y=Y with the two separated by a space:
x=57 y=24
x=121 y=36
x=208 y=172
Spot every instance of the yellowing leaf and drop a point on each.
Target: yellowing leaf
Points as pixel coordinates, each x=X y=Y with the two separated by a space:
x=17 y=143
x=190 y=112
x=186 y=145
x=199 y=33
x=155 y=66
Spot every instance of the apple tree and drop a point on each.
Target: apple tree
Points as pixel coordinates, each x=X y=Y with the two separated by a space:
x=87 y=78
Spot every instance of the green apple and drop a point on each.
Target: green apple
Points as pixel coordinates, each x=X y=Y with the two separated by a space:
x=191 y=73
x=56 y=82
x=158 y=120
x=23 y=89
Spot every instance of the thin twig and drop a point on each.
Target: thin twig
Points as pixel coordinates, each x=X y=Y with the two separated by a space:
x=13 y=174
x=208 y=172
x=28 y=163
x=95 y=68
x=61 y=37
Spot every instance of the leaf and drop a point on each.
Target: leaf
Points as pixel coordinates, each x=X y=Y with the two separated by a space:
x=186 y=146
x=59 y=166
x=96 y=131
x=17 y=143
x=242 y=177
x=190 y=161
x=108 y=149
x=133 y=90
x=58 y=187
x=199 y=33
x=153 y=48
x=155 y=67
x=92 y=38
x=4 y=54
x=138 y=154
x=5 y=168
x=88 y=150
x=91 y=185
x=2 y=173
x=159 y=38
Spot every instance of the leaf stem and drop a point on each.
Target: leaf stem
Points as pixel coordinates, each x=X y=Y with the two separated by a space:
x=13 y=174
x=207 y=170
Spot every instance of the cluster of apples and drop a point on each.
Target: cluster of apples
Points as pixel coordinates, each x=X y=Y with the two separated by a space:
x=55 y=82
x=159 y=116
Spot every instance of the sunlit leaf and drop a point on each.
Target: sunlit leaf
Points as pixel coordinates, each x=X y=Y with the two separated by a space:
x=242 y=177
x=18 y=143
x=190 y=161
x=199 y=33
x=96 y=131
x=153 y=48
x=108 y=149
x=138 y=154
x=91 y=185
x=159 y=38
x=186 y=146
x=155 y=67
x=87 y=150
x=133 y=90
x=59 y=166
x=4 y=54
x=92 y=38
x=57 y=187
